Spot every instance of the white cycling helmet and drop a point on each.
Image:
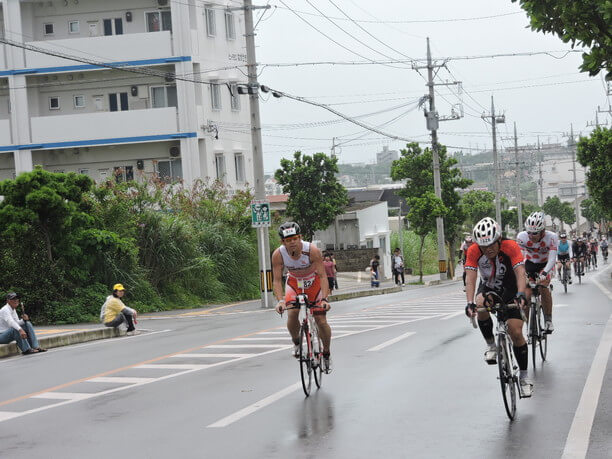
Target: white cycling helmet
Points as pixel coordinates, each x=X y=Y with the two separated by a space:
x=486 y=232
x=535 y=222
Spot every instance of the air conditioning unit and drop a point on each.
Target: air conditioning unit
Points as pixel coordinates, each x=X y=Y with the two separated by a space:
x=175 y=151
x=162 y=2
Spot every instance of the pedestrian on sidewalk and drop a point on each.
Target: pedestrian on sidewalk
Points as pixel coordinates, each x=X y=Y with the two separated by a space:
x=375 y=278
x=114 y=312
x=330 y=271
x=398 y=266
x=12 y=328
x=331 y=254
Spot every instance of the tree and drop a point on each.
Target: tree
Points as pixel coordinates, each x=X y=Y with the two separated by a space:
x=510 y=216
x=416 y=165
x=582 y=22
x=591 y=210
x=315 y=196
x=422 y=217
x=477 y=205
x=595 y=152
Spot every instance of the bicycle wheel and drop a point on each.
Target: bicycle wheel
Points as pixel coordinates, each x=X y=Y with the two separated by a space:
x=506 y=381
x=579 y=273
x=565 y=278
x=305 y=360
x=318 y=360
x=543 y=336
x=534 y=333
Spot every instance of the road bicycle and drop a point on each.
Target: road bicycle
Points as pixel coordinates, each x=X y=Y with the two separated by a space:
x=536 y=334
x=578 y=267
x=604 y=254
x=310 y=345
x=594 y=259
x=506 y=362
x=564 y=275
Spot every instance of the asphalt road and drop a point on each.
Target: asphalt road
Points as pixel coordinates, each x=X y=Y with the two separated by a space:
x=409 y=380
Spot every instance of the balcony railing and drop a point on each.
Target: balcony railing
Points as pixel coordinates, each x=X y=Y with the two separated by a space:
x=104 y=125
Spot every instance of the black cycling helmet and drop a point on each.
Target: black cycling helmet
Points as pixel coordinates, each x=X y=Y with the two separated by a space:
x=563 y=235
x=288 y=229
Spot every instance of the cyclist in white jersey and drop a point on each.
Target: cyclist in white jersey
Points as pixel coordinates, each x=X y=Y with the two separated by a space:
x=540 y=249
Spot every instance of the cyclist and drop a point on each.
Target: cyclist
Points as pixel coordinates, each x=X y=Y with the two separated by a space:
x=594 y=246
x=467 y=242
x=579 y=251
x=540 y=248
x=304 y=265
x=563 y=256
x=604 y=248
x=501 y=265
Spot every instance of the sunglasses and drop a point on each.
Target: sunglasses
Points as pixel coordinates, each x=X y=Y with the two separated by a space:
x=533 y=233
x=291 y=238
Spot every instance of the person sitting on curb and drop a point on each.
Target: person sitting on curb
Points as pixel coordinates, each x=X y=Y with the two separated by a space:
x=114 y=312
x=19 y=330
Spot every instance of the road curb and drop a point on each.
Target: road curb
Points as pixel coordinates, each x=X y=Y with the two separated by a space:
x=65 y=339
x=362 y=293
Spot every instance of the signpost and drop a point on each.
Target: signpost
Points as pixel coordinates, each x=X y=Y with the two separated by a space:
x=260 y=219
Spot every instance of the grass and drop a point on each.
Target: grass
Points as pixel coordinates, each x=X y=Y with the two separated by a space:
x=411 y=252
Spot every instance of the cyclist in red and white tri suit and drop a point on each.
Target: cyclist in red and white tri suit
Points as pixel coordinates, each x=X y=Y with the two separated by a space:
x=305 y=272
x=540 y=249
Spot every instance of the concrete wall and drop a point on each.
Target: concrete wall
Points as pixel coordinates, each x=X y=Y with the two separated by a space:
x=353 y=260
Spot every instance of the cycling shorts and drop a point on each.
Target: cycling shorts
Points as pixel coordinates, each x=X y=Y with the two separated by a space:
x=507 y=296
x=564 y=257
x=533 y=269
x=310 y=285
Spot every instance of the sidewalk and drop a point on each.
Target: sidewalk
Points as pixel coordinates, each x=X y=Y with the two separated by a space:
x=351 y=285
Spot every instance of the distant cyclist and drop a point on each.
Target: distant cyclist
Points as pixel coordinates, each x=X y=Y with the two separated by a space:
x=594 y=246
x=540 y=248
x=501 y=266
x=579 y=253
x=563 y=256
x=305 y=271
x=467 y=242
x=604 y=248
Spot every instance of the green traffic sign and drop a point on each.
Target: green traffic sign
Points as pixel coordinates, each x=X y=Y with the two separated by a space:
x=260 y=213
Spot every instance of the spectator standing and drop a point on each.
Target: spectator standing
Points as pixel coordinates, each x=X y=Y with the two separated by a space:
x=375 y=278
x=19 y=330
x=398 y=266
x=330 y=271
x=114 y=312
x=335 y=270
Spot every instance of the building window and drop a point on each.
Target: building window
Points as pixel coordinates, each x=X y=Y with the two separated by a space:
x=158 y=21
x=73 y=27
x=235 y=97
x=215 y=96
x=84 y=171
x=113 y=26
x=163 y=96
x=230 y=28
x=211 y=26
x=239 y=164
x=79 y=101
x=220 y=167
x=123 y=174
x=54 y=103
x=170 y=171
x=118 y=101
x=49 y=29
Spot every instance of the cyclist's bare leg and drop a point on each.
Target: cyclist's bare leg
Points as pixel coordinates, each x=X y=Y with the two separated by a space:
x=547 y=304
x=293 y=324
x=324 y=331
x=515 y=329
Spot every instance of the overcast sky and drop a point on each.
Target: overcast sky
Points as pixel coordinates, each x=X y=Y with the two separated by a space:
x=542 y=94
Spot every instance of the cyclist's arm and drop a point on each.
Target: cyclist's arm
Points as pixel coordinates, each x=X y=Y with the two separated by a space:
x=521 y=278
x=552 y=258
x=471 y=276
x=277 y=278
x=317 y=260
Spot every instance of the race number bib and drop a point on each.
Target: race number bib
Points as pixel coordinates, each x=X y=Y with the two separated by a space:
x=304 y=283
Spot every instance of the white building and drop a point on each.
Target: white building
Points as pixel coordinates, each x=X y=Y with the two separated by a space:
x=72 y=116
x=386 y=155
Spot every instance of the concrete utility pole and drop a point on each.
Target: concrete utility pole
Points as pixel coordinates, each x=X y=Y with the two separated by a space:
x=572 y=145
x=540 y=180
x=519 y=204
x=333 y=148
x=258 y=167
x=432 y=124
x=494 y=121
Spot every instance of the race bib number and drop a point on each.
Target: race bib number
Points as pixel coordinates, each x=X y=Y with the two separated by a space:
x=305 y=284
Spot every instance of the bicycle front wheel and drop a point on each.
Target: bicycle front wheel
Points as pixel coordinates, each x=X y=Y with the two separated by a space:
x=534 y=332
x=305 y=360
x=565 y=279
x=506 y=380
x=543 y=336
x=318 y=360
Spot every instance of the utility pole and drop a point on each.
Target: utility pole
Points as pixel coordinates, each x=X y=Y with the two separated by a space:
x=519 y=204
x=494 y=121
x=433 y=120
x=258 y=167
x=333 y=148
x=572 y=145
x=540 y=180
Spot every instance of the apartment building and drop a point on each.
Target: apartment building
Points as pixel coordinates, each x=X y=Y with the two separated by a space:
x=111 y=123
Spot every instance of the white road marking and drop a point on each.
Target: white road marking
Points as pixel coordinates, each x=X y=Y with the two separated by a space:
x=454 y=314
x=172 y=366
x=245 y=346
x=577 y=442
x=119 y=380
x=269 y=338
x=391 y=341
x=6 y=415
x=255 y=406
x=227 y=356
x=64 y=395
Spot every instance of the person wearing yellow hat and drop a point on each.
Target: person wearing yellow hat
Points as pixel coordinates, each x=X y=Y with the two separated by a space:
x=114 y=312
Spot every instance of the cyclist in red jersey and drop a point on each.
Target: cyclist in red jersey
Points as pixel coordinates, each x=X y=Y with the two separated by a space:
x=305 y=271
x=502 y=270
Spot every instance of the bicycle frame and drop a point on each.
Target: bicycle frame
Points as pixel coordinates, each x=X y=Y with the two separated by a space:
x=534 y=325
